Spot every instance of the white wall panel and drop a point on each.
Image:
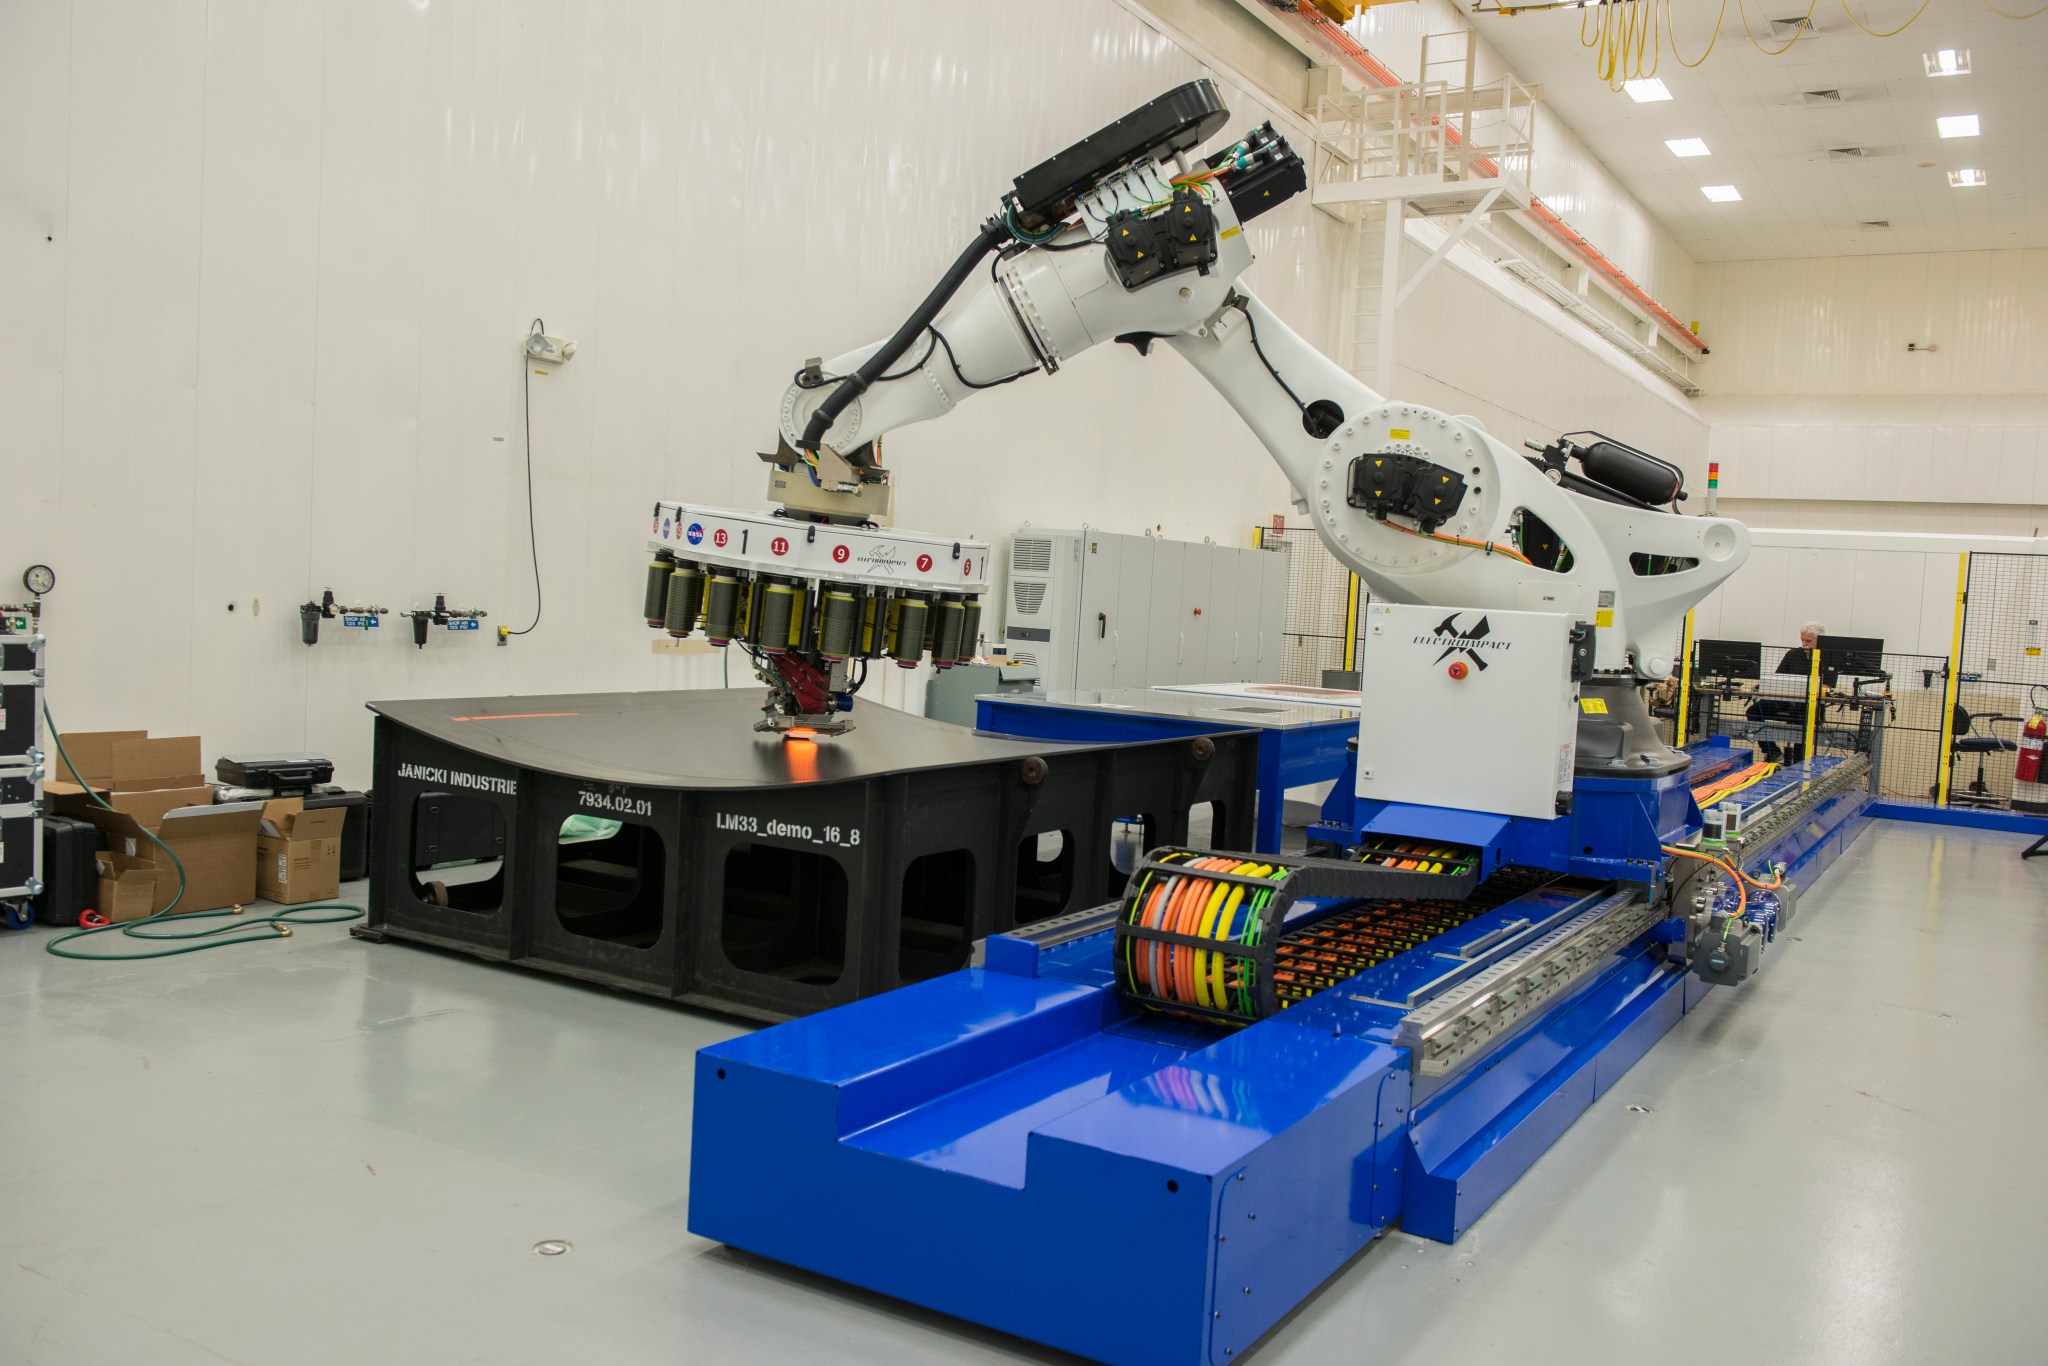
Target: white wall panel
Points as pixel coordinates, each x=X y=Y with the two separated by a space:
x=35 y=122
x=1818 y=326
x=1898 y=451
x=295 y=245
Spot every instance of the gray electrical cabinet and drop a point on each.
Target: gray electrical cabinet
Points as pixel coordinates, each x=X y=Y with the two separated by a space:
x=950 y=694
x=1096 y=609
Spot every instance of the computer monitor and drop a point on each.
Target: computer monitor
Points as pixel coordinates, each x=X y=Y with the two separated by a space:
x=1730 y=659
x=1856 y=656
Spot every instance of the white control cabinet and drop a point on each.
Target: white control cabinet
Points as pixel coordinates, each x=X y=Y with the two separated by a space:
x=1095 y=609
x=1470 y=709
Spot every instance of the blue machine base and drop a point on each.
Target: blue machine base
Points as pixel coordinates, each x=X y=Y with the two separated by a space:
x=1013 y=1145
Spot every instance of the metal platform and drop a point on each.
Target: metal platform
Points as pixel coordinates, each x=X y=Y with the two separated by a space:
x=656 y=843
x=1300 y=742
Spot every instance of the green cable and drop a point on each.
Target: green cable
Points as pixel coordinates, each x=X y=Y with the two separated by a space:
x=276 y=925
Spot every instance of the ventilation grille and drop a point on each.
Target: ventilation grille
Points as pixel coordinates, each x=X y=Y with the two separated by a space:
x=1785 y=30
x=1030 y=659
x=1876 y=224
x=1030 y=555
x=1027 y=597
x=1821 y=98
x=1847 y=153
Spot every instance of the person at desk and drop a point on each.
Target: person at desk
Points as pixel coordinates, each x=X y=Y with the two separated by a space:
x=1787 y=711
x=1800 y=661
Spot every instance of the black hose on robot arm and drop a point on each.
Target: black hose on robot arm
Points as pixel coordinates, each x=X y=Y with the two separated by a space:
x=992 y=235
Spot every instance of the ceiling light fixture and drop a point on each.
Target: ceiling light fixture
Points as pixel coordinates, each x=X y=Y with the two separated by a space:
x=1968 y=176
x=1721 y=194
x=1687 y=147
x=1950 y=61
x=1957 y=125
x=1646 y=91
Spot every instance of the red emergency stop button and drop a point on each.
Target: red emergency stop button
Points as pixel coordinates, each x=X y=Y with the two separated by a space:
x=1458 y=669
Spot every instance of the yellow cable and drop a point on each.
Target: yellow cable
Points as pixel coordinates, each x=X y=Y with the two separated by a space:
x=1742 y=8
x=1672 y=27
x=1206 y=930
x=1889 y=33
x=2030 y=14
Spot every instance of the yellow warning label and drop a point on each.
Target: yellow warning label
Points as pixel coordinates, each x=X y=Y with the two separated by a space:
x=1593 y=706
x=1604 y=618
x=1399 y=433
x=1226 y=234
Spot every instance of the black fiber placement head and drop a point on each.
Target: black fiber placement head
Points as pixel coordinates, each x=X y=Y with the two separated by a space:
x=1178 y=121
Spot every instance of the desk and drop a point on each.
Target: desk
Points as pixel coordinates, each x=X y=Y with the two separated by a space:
x=1299 y=742
x=1851 y=721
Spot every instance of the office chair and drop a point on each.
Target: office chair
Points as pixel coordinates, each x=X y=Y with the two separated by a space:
x=1966 y=741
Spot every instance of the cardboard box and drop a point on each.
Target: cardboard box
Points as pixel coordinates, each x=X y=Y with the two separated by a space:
x=217 y=845
x=130 y=761
x=127 y=887
x=92 y=756
x=148 y=765
x=298 y=852
x=149 y=808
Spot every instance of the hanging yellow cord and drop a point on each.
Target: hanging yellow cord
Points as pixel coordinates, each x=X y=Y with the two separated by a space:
x=1888 y=33
x=1629 y=38
x=2030 y=14
x=1670 y=23
x=1742 y=8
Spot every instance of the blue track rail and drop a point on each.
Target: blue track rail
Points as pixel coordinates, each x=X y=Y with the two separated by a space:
x=1014 y=1145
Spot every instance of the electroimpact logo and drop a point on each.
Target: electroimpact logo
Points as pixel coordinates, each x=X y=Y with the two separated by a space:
x=695 y=533
x=1468 y=641
x=881 y=559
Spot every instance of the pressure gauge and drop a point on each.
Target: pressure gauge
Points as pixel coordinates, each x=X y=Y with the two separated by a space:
x=39 y=579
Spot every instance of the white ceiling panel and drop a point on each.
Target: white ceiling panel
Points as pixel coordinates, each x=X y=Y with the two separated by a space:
x=1768 y=142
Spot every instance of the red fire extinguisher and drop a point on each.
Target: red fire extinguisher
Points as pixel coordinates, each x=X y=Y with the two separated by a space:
x=2032 y=741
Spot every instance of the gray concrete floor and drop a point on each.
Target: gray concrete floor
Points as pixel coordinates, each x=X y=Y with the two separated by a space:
x=320 y=1151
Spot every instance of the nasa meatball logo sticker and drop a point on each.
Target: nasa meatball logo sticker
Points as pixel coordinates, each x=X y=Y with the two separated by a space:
x=780 y=545
x=924 y=564
x=840 y=554
x=718 y=537
x=695 y=533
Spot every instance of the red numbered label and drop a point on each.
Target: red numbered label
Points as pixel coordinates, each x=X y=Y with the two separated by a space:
x=779 y=545
x=718 y=537
x=840 y=554
x=924 y=564
x=967 y=569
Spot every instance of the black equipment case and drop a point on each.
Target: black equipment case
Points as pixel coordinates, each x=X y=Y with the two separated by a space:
x=285 y=775
x=355 y=829
x=70 y=872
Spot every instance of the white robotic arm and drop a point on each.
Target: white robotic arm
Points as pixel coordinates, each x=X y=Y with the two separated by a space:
x=1426 y=507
